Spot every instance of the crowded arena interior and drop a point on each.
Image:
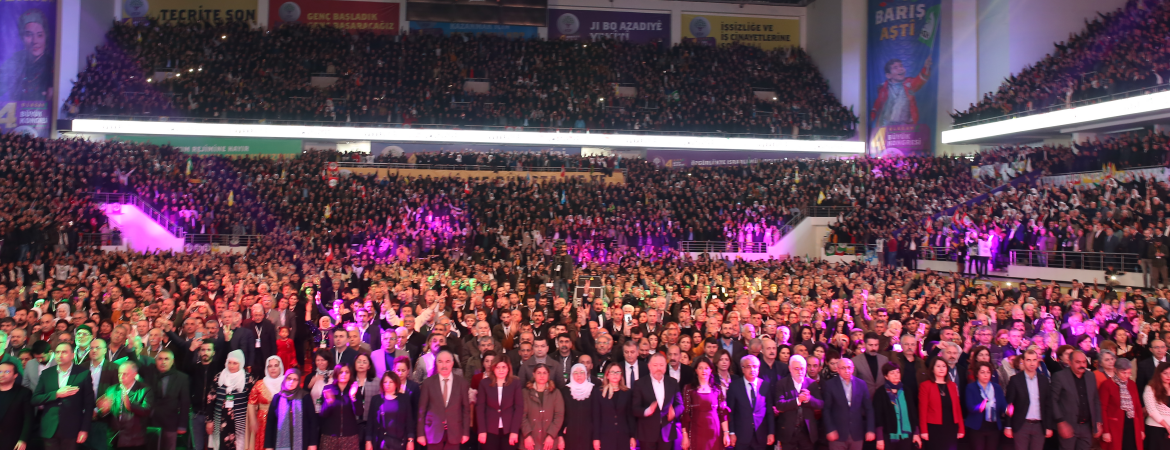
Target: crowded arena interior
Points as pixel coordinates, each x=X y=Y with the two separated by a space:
x=565 y=225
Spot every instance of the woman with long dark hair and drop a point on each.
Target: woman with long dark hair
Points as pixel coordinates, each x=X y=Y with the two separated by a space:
x=939 y=412
x=544 y=411
x=704 y=419
x=499 y=407
x=390 y=421
x=340 y=411
x=1156 y=396
x=613 y=422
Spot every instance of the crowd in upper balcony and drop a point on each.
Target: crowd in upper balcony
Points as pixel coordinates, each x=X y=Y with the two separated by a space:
x=1117 y=52
x=233 y=71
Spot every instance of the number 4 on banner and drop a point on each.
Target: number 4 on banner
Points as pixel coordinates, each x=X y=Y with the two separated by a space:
x=8 y=116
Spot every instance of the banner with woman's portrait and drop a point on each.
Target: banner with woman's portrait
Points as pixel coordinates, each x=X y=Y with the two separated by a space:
x=26 y=65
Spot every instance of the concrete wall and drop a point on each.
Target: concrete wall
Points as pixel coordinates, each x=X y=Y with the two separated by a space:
x=836 y=43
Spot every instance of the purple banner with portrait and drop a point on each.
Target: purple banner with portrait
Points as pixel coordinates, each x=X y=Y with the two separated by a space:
x=26 y=65
x=588 y=25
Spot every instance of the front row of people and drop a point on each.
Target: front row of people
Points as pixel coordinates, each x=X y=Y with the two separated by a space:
x=656 y=413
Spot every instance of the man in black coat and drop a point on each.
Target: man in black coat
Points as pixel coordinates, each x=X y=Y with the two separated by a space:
x=658 y=427
x=264 y=342
x=749 y=399
x=172 y=397
x=1146 y=366
x=66 y=408
x=1029 y=424
x=797 y=400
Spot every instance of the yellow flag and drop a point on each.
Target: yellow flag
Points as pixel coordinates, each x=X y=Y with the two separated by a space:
x=231 y=198
x=821 y=198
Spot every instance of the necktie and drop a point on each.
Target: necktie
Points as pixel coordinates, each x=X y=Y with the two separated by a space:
x=445 y=390
x=752 y=397
x=630 y=369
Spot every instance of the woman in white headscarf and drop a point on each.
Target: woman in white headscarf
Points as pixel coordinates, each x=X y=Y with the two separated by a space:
x=578 y=425
x=227 y=424
x=259 y=399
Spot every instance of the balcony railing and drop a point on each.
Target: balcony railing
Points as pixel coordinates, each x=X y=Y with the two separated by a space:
x=150 y=210
x=1127 y=262
x=229 y=240
x=97 y=240
x=828 y=211
x=565 y=129
x=723 y=247
x=508 y=168
x=1062 y=106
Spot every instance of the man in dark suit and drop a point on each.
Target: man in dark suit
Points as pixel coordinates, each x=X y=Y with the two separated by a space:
x=264 y=341
x=657 y=403
x=1030 y=422
x=102 y=374
x=444 y=408
x=683 y=373
x=242 y=339
x=633 y=369
x=128 y=406
x=729 y=340
x=771 y=369
x=1146 y=367
x=370 y=331
x=848 y=411
x=342 y=354
x=797 y=400
x=749 y=399
x=869 y=364
x=66 y=397
x=1076 y=406
x=172 y=397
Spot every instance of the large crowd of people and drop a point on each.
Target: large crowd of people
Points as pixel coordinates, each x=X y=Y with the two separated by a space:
x=233 y=71
x=1119 y=51
x=375 y=309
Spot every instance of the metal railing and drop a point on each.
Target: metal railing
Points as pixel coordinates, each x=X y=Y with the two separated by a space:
x=1061 y=106
x=1127 y=262
x=827 y=211
x=564 y=129
x=230 y=240
x=99 y=239
x=723 y=247
x=507 y=168
x=150 y=210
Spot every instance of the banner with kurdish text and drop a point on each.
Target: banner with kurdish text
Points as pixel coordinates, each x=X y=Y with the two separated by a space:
x=445 y=28
x=27 y=51
x=355 y=16
x=188 y=10
x=588 y=25
x=765 y=33
x=901 y=77
x=201 y=145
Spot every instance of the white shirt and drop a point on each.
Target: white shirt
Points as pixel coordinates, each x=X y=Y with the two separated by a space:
x=752 y=388
x=659 y=391
x=675 y=373
x=797 y=384
x=96 y=377
x=500 y=399
x=445 y=382
x=631 y=369
x=63 y=376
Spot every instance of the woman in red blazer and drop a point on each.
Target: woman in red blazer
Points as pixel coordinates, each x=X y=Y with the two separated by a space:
x=1121 y=431
x=939 y=412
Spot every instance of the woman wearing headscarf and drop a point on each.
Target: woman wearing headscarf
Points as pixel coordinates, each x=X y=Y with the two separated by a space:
x=291 y=422
x=895 y=412
x=229 y=417
x=578 y=429
x=390 y=423
x=260 y=398
x=339 y=412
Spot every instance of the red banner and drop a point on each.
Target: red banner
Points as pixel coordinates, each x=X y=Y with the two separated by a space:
x=355 y=16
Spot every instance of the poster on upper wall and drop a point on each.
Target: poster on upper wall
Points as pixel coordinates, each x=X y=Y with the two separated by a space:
x=445 y=28
x=588 y=25
x=187 y=10
x=355 y=16
x=26 y=66
x=761 y=32
x=901 y=77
